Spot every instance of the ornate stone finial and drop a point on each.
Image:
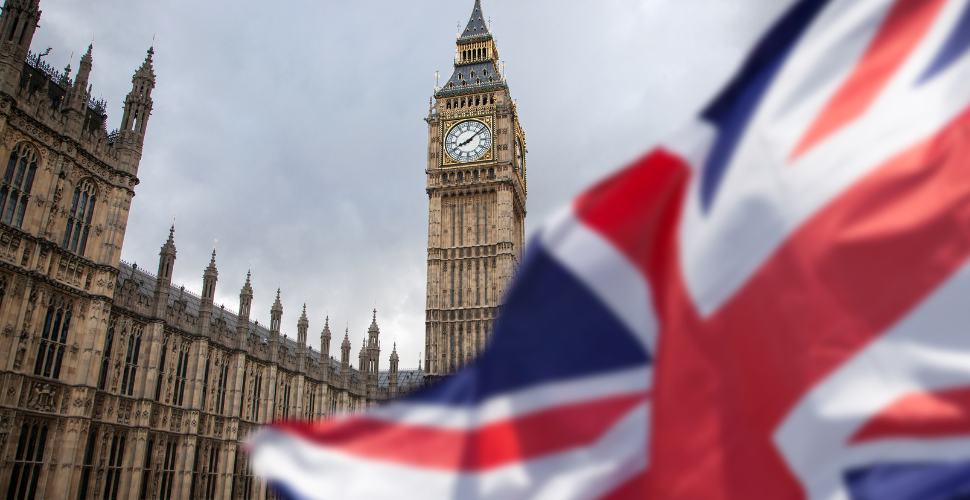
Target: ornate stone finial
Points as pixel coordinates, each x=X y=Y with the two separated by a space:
x=146 y=70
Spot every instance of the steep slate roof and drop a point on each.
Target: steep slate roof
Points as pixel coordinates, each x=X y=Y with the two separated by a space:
x=405 y=378
x=476 y=27
x=487 y=75
x=146 y=287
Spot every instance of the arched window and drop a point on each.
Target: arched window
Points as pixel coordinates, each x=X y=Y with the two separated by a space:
x=17 y=181
x=106 y=354
x=131 y=362
x=79 y=218
x=28 y=461
x=53 y=339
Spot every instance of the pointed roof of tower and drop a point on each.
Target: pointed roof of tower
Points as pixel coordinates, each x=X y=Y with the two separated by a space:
x=346 y=342
x=86 y=58
x=146 y=70
x=479 y=74
x=211 y=269
x=394 y=356
x=169 y=246
x=303 y=320
x=477 y=25
x=277 y=306
x=247 y=287
x=326 y=327
x=373 y=324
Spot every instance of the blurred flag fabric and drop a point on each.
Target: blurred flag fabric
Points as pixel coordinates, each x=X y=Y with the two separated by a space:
x=774 y=304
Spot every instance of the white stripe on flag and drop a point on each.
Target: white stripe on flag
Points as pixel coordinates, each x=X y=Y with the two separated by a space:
x=587 y=473
x=516 y=404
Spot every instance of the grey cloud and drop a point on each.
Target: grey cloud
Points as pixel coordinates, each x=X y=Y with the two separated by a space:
x=292 y=132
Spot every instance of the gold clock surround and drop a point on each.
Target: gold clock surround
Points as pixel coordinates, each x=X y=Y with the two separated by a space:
x=447 y=160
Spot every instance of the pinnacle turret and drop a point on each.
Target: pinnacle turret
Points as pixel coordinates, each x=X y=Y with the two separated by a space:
x=277 y=306
x=394 y=356
x=146 y=70
x=325 y=340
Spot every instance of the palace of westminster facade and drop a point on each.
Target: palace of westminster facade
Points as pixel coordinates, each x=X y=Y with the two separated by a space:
x=117 y=384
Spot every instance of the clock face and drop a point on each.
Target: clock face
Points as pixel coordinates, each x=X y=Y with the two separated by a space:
x=468 y=141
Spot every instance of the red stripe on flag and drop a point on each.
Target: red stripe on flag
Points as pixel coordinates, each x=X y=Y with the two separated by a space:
x=493 y=445
x=724 y=384
x=904 y=27
x=921 y=415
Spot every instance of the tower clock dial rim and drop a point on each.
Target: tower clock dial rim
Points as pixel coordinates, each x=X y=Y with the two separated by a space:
x=468 y=140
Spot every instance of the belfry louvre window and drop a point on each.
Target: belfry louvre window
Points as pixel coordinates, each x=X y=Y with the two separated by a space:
x=17 y=181
x=79 y=218
x=53 y=339
x=28 y=462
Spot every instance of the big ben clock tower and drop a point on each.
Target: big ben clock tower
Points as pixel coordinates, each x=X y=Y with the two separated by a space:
x=476 y=185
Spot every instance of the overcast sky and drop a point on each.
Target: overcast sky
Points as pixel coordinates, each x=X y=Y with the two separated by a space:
x=293 y=132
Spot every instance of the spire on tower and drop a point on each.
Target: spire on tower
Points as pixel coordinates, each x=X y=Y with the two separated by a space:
x=477 y=25
x=146 y=70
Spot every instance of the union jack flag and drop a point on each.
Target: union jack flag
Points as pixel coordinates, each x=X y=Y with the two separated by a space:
x=774 y=304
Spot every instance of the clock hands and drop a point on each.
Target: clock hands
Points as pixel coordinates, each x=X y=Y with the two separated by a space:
x=469 y=139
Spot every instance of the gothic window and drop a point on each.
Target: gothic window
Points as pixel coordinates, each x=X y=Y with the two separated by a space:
x=106 y=354
x=146 y=474
x=461 y=225
x=131 y=362
x=257 y=388
x=444 y=178
x=311 y=398
x=28 y=462
x=491 y=173
x=181 y=372
x=454 y=220
x=53 y=339
x=205 y=381
x=461 y=286
x=452 y=284
x=17 y=182
x=243 y=477
x=471 y=74
x=286 y=400
x=113 y=470
x=451 y=349
x=161 y=372
x=478 y=294
x=478 y=338
x=167 y=476
x=478 y=225
x=476 y=174
x=13 y=28
x=79 y=217
x=461 y=345
x=485 y=282
x=220 y=406
x=87 y=466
